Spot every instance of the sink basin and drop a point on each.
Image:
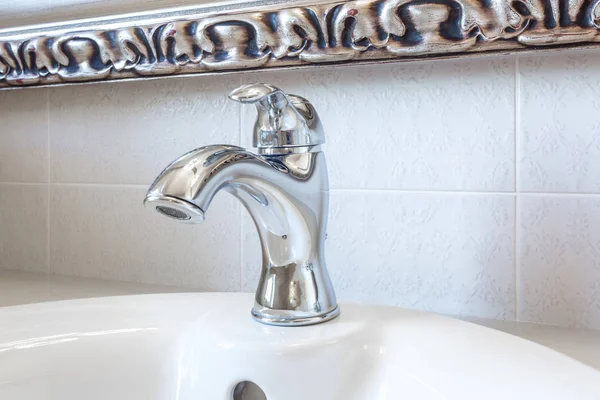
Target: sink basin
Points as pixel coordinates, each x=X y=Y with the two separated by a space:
x=199 y=346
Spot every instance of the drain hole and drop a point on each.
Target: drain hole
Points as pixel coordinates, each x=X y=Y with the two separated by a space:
x=247 y=390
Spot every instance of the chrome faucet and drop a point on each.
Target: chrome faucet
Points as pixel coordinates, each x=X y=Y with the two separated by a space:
x=286 y=191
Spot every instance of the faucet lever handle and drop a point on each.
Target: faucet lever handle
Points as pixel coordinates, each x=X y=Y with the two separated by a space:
x=266 y=95
x=283 y=120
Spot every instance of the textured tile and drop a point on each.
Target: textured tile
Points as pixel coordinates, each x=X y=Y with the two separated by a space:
x=443 y=125
x=128 y=132
x=445 y=253
x=560 y=104
x=24 y=227
x=560 y=260
x=24 y=136
x=105 y=232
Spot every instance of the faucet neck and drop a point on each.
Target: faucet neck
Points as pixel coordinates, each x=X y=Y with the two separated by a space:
x=290 y=215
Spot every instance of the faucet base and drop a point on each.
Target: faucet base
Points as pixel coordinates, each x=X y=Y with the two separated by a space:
x=272 y=317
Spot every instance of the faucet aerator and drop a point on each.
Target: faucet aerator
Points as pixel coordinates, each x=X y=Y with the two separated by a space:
x=173 y=213
x=175 y=208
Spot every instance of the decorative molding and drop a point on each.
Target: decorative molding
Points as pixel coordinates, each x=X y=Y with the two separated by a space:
x=284 y=34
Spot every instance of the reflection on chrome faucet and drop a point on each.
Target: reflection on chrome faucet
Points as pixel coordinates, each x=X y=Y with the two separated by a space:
x=286 y=191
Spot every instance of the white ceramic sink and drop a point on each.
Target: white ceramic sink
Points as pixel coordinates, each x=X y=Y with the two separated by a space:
x=199 y=346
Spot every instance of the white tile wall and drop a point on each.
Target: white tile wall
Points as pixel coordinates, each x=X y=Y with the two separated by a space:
x=24 y=136
x=105 y=232
x=128 y=132
x=24 y=227
x=412 y=126
x=560 y=260
x=560 y=123
x=434 y=252
x=464 y=187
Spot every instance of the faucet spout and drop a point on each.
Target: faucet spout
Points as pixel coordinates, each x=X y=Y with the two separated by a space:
x=287 y=195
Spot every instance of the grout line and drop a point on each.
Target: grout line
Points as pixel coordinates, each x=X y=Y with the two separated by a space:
x=345 y=190
x=412 y=191
x=242 y=277
x=557 y=194
x=517 y=268
x=74 y=184
x=48 y=193
x=517 y=125
x=23 y=183
x=113 y=185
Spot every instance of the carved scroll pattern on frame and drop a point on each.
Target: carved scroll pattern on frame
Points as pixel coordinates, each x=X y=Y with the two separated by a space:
x=326 y=32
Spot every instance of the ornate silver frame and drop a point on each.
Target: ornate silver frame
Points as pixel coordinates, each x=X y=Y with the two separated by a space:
x=239 y=36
